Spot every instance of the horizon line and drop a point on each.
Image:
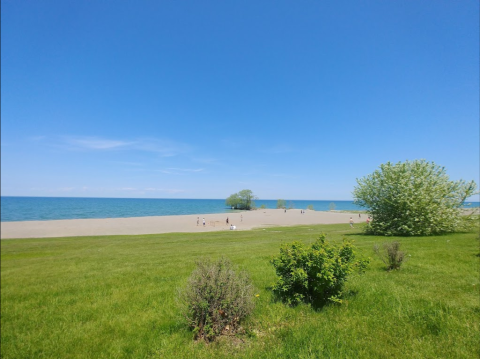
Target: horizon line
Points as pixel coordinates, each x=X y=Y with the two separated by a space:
x=93 y=197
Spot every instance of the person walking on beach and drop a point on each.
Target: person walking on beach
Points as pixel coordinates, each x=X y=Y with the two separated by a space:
x=351 y=222
x=203 y=219
x=227 y=220
x=198 y=221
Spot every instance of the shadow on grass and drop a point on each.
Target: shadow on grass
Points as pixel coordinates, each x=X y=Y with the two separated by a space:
x=316 y=304
x=357 y=234
x=366 y=234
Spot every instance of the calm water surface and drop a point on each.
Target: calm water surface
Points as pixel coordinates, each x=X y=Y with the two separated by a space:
x=50 y=208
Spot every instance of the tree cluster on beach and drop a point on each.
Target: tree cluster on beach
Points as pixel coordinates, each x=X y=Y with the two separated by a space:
x=281 y=204
x=241 y=200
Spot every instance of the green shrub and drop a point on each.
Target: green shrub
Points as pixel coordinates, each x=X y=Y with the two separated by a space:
x=315 y=274
x=310 y=207
x=216 y=299
x=391 y=254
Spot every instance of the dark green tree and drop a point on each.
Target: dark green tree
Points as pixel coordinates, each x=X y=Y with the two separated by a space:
x=241 y=200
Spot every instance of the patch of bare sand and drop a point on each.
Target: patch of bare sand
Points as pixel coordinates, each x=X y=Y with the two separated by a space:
x=167 y=224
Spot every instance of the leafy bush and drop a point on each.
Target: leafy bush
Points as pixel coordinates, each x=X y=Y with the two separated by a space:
x=391 y=254
x=316 y=274
x=216 y=299
x=413 y=198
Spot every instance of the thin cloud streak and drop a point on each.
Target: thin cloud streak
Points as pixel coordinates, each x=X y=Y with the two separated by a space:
x=165 y=148
x=180 y=171
x=95 y=143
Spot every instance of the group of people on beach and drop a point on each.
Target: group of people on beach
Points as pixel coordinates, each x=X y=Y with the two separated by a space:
x=232 y=227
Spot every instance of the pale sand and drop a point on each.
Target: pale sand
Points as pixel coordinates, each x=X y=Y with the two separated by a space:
x=167 y=224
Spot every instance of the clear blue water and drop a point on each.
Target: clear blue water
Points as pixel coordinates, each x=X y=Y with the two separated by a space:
x=50 y=208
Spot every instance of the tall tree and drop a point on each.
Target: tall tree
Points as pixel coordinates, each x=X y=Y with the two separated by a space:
x=413 y=198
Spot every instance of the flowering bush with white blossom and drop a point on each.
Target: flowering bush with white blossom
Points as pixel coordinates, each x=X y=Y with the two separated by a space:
x=414 y=198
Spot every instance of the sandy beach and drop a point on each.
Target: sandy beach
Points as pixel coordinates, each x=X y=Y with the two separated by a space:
x=166 y=224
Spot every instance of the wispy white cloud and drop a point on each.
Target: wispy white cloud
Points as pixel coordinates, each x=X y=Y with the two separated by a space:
x=178 y=171
x=163 y=147
x=95 y=143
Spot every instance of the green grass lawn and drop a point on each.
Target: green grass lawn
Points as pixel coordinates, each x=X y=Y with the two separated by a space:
x=115 y=297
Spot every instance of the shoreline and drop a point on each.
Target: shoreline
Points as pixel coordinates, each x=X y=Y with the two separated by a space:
x=244 y=220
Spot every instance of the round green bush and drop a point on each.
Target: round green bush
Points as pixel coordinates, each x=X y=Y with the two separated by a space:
x=314 y=274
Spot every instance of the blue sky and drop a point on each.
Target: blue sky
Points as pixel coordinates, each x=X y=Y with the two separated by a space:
x=201 y=99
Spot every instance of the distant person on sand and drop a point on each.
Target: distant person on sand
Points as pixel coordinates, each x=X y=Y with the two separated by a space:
x=198 y=221
x=351 y=222
x=359 y=216
x=203 y=219
x=227 y=220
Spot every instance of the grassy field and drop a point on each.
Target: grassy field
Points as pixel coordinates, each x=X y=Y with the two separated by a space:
x=115 y=297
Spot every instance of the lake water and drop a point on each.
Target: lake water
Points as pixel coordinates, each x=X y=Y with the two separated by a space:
x=50 y=208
